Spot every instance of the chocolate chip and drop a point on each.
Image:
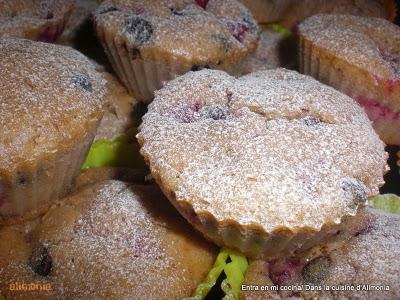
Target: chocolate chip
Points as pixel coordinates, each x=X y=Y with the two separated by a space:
x=316 y=270
x=106 y=9
x=213 y=112
x=311 y=121
x=249 y=21
x=139 y=28
x=41 y=261
x=356 y=188
x=82 y=81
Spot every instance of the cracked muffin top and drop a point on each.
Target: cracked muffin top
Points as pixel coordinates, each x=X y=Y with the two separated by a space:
x=198 y=32
x=51 y=97
x=270 y=151
x=118 y=240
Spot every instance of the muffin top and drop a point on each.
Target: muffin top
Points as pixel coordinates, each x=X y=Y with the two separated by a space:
x=270 y=150
x=117 y=240
x=51 y=97
x=300 y=10
x=369 y=258
x=371 y=44
x=196 y=32
x=19 y=18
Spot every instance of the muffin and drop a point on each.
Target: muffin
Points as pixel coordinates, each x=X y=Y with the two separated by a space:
x=148 y=44
x=361 y=58
x=35 y=20
x=269 y=163
x=118 y=113
x=368 y=263
x=16 y=248
x=51 y=105
x=303 y=9
x=78 y=23
x=268 y=11
x=275 y=49
x=115 y=240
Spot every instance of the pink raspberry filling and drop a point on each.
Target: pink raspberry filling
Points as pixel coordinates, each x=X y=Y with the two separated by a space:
x=238 y=30
x=285 y=270
x=202 y=3
x=375 y=110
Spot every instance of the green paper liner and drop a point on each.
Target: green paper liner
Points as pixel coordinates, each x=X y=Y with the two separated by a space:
x=121 y=151
x=387 y=202
x=234 y=271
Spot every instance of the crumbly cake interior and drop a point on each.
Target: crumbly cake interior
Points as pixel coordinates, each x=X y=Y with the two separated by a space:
x=220 y=144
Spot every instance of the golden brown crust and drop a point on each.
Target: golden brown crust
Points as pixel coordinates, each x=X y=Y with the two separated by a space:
x=360 y=57
x=35 y=20
x=218 y=148
x=51 y=104
x=116 y=240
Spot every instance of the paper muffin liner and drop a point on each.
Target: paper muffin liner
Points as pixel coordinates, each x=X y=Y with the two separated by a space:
x=353 y=81
x=251 y=239
x=32 y=189
x=144 y=76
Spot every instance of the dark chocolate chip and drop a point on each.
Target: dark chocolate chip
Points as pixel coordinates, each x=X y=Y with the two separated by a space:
x=316 y=270
x=213 y=112
x=311 y=121
x=356 y=188
x=41 y=261
x=139 y=28
x=82 y=81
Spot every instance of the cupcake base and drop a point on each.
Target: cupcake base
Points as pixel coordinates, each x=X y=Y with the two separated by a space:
x=31 y=190
x=384 y=95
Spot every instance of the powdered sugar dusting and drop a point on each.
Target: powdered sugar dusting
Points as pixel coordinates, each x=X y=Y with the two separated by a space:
x=265 y=163
x=120 y=244
x=21 y=18
x=51 y=97
x=182 y=29
x=357 y=40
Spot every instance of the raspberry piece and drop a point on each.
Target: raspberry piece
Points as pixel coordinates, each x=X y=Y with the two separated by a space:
x=202 y=3
x=282 y=271
x=238 y=30
x=82 y=81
